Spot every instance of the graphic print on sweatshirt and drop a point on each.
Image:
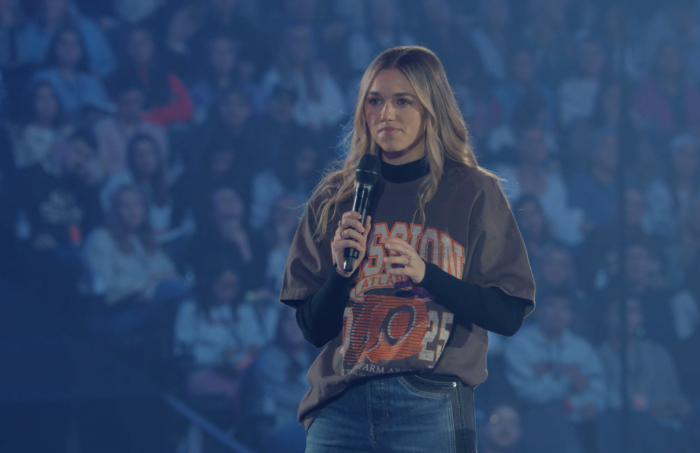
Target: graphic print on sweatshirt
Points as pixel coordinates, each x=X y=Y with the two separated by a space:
x=391 y=325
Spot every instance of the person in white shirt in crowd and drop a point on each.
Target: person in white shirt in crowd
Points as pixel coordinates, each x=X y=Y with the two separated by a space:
x=320 y=102
x=557 y=374
x=136 y=280
x=43 y=126
x=217 y=334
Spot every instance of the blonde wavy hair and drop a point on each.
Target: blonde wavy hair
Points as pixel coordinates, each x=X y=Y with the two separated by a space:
x=446 y=135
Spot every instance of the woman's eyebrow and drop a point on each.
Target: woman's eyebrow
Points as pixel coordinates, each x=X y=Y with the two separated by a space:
x=396 y=95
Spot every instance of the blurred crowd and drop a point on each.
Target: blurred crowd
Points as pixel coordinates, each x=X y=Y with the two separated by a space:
x=155 y=156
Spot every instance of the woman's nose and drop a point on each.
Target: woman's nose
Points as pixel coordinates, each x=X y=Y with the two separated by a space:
x=387 y=113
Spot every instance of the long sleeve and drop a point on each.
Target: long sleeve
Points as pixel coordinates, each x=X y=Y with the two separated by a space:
x=320 y=318
x=489 y=308
x=181 y=109
x=591 y=367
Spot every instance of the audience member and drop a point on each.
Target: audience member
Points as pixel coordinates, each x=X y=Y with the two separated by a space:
x=66 y=72
x=135 y=278
x=594 y=191
x=577 y=94
x=43 y=126
x=227 y=240
x=275 y=385
x=320 y=101
x=492 y=37
x=533 y=225
x=532 y=175
x=668 y=197
x=502 y=430
x=555 y=372
x=167 y=99
x=182 y=25
x=652 y=385
x=113 y=133
x=51 y=17
x=666 y=103
x=216 y=334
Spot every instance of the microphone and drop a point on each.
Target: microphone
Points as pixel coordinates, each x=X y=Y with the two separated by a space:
x=366 y=177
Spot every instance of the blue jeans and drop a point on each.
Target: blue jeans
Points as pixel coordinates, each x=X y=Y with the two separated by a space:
x=405 y=413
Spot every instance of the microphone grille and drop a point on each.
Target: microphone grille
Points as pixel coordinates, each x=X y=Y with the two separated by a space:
x=368 y=170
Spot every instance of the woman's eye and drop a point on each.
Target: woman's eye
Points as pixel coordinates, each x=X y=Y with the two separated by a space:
x=403 y=102
x=373 y=101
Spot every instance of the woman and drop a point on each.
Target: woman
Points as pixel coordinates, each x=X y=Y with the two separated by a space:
x=66 y=71
x=320 y=100
x=167 y=99
x=415 y=286
x=43 y=127
x=137 y=280
x=146 y=169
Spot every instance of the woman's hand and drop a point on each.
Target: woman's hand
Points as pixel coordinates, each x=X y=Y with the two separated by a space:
x=343 y=239
x=404 y=261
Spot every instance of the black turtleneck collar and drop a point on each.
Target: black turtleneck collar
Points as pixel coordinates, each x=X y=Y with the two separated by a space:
x=405 y=172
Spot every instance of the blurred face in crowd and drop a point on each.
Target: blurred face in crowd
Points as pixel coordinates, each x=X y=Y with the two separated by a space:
x=45 y=104
x=438 y=12
x=496 y=13
x=635 y=318
x=668 y=61
x=591 y=58
x=503 y=429
x=523 y=67
x=234 y=109
x=639 y=263
x=306 y=161
x=556 y=314
x=611 y=100
x=685 y=159
x=281 y=108
x=532 y=146
x=226 y=288
x=139 y=47
x=382 y=13
x=635 y=207
x=605 y=153
x=227 y=204
x=78 y=158
x=69 y=49
x=131 y=209
x=299 y=44
x=130 y=105
x=395 y=117
x=184 y=24
x=146 y=158
x=530 y=220
x=221 y=162
x=222 y=56
x=555 y=267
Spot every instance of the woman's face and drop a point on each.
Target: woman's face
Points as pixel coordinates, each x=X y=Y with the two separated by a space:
x=305 y=161
x=395 y=117
x=530 y=220
x=146 y=158
x=504 y=430
x=686 y=159
x=299 y=45
x=226 y=287
x=222 y=56
x=131 y=209
x=234 y=109
x=139 y=47
x=45 y=104
x=69 y=50
x=555 y=268
x=220 y=163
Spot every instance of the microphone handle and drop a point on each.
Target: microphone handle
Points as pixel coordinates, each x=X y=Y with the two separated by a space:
x=360 y=205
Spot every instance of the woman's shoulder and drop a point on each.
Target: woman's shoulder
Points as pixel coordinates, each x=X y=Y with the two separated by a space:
x=470 y=178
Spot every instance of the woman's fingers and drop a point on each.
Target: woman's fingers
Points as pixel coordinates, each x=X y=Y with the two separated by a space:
x=342 y=244
x=352 y=219
x=352 y=234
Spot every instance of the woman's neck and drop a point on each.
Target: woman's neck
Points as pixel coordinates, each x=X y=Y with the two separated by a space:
x=407 y=172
